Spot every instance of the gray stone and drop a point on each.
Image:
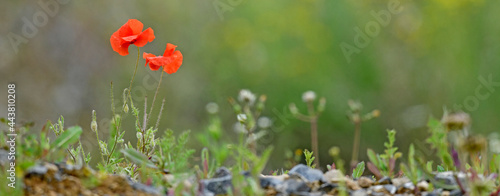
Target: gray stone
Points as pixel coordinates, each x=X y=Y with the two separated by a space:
x=293 y=186
x=270 y=181
x=334 y=176
x=327 y=187
x=365 y=182
x=307 y=173
x=360 y=192
x=384 y=180
x=216 y=185
x=221 y=172
x=390 y=188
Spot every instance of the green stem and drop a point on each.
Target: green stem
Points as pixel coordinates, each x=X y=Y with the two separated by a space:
x=314 y=132
x=135 y=71
x=83 y=152
x=99 y=144
x=154 y=98
x=355 y=148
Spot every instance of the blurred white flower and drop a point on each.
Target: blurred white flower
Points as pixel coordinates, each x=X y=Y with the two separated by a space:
x=242 y=118
x=264 y=122
x=246 y=96
x=239 y=128
x=308 y=96
x=212 y=108
x=494 y=143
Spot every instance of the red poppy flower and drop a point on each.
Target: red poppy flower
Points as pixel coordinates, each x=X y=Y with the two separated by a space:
x=170 y=61
x=130 y=33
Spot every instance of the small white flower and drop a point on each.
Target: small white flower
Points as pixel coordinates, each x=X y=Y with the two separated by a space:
x=264 y=122
x=308 y=96
x=239 y=128
x=242 y=118
x=246 y=96
x=212 y=108
x=139 y=135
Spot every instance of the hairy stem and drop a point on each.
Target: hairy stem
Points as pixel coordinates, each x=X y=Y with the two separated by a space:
x=117 y=125
x=135 y=71
x=99 y=144
x=154 y=98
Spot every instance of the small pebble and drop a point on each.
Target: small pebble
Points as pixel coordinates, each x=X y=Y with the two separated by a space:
x=365 y=182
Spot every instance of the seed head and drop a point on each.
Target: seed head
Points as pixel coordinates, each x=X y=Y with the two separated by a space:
x=456 y=121
x=212 y=108
x=309 y=96
x=246 y=96
x=264 y=122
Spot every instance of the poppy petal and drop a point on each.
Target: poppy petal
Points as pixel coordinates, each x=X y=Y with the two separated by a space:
x=175 y=64
x=145 y=37
x=135 y=26
x=119 y=45
x=169 y=50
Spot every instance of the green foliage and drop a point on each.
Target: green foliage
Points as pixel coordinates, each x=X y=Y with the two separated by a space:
x=410 y=170
x=173 y=153
x=67 y=138
x=309 y=158
x=358 y=171
x=212 y=140
x=383 y=165
x=438 y=141
x=137 y=157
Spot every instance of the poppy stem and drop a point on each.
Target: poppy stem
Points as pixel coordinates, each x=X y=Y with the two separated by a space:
x=135 y=71
x=154 y=98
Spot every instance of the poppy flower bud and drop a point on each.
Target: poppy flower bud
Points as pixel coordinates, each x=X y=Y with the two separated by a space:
x=93 y=124
x=309 y=96
x=125 y=108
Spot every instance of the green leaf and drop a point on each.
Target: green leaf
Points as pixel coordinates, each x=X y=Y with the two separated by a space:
x=358 y=171
x=137 y=157
x=440 y=168
x=261 y=162
x=429 y=165
x=68 y=137
x=373 y=157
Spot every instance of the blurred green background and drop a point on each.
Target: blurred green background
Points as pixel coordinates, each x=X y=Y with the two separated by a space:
x=429 y=56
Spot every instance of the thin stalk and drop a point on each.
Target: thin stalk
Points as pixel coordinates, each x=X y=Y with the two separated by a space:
x=144 y=126
x=135 y=71
x=117 y=126
x=159 y=114
x=355 y=148
x=154 y=98
x=98 y=144
x=83 y=152
x=314 y=131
